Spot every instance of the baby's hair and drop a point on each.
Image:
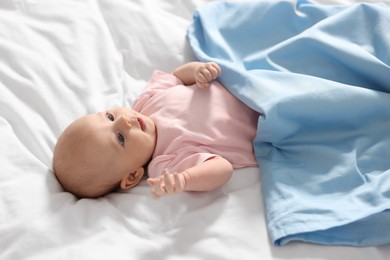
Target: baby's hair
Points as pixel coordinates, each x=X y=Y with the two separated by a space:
x=79 y=186
x=75 y=173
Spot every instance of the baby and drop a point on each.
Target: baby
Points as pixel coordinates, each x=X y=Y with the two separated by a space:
x=187 y=138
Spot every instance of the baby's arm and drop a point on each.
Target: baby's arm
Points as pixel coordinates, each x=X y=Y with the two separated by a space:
x=198 y=72
x=207 y=176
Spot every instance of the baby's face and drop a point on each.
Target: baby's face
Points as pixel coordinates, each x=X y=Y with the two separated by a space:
x=121 y=138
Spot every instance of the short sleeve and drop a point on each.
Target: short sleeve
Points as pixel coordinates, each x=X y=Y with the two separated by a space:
x=159 y=81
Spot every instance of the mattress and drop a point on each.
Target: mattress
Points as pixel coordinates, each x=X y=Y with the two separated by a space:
x=66 y=58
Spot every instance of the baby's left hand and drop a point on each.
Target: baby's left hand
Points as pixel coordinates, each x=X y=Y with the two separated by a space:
x=167 y=184
x=206 y=73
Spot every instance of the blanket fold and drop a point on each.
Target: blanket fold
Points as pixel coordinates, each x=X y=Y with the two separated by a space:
x=320 y=77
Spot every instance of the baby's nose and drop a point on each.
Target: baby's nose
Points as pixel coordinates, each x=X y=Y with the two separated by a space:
x=124 y=122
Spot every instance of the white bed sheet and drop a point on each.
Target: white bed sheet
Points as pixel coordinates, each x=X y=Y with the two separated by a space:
x=65 y=58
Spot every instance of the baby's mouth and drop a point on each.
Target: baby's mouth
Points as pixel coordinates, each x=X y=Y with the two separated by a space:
x=141 y=123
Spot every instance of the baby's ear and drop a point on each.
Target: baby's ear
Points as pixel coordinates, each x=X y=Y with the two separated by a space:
x=132 y=179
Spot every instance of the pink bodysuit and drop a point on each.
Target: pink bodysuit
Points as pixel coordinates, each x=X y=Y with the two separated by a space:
x=194 y=124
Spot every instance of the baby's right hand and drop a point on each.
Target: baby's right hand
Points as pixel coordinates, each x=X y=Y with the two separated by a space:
x=206 y=73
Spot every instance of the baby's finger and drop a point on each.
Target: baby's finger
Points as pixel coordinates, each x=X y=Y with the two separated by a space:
x=207 y=72
x=203 y=85
x=155 y=184
x=150 y=182
x=158 y=187
x=168 y=180
x=203 y=75
x=216 y=70
x=179 y=185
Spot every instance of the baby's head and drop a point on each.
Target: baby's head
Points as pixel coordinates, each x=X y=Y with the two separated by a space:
x=101 y=152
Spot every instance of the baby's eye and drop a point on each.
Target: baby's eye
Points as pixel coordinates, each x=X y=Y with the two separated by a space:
x=110 y=117
x=121 y=139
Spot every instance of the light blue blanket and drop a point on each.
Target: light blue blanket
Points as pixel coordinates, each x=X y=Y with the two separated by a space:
x=320 y=77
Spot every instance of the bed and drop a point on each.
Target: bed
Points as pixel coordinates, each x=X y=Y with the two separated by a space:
x=66 y=58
